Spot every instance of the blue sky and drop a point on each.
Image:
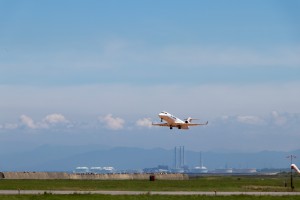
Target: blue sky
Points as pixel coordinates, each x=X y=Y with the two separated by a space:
x=100 y=71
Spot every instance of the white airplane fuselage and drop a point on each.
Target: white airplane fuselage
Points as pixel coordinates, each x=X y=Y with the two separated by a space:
x=172 y=121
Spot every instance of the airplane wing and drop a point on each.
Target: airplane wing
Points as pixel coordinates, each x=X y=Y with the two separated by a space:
x=164 y=124
x=179 y=125
x=192 y=124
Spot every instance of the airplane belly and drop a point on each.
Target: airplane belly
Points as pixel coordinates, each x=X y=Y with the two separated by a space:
x=184 y=127
x=168 y=120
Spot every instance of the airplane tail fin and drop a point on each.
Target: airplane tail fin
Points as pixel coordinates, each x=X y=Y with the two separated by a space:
x=294 y=167
x=189 y=120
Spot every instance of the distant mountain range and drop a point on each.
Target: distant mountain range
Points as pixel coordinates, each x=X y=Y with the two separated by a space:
x=67 y=158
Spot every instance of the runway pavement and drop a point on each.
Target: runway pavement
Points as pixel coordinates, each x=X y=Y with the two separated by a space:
x=65 y=192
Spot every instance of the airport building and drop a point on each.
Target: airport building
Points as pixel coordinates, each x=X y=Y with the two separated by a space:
x=199 y=170
x=235 y=171
x=81 y=170
x=95 y=170
x=179 y=167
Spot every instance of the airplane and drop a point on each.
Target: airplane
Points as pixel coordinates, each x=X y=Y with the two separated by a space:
x=173 y=121
x=293 y=166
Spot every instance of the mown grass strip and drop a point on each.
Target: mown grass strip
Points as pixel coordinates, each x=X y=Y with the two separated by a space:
x=141 y=197
x=233 y=183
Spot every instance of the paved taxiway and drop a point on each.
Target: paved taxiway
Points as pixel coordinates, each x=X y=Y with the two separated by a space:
x=64 y=192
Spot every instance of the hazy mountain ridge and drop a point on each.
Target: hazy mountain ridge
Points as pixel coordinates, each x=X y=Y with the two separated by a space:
x=66 y=158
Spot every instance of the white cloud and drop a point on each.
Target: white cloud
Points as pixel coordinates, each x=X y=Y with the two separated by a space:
x=278 y=119
x=52 y=119
x=145 y=122
x=28 y=122
x=113 y=123
x=55 y=118
x=253 y=120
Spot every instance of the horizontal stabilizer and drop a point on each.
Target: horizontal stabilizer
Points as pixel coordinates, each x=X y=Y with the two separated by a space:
x=199 y=124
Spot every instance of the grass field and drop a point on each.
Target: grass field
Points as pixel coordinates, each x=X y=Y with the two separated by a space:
x=212 y=183
x=142 y=197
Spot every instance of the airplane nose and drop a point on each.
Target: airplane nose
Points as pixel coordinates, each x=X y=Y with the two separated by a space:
x=161 y=114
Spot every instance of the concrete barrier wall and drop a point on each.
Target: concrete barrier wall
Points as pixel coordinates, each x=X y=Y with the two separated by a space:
x=35 y=175
x=61 y=175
